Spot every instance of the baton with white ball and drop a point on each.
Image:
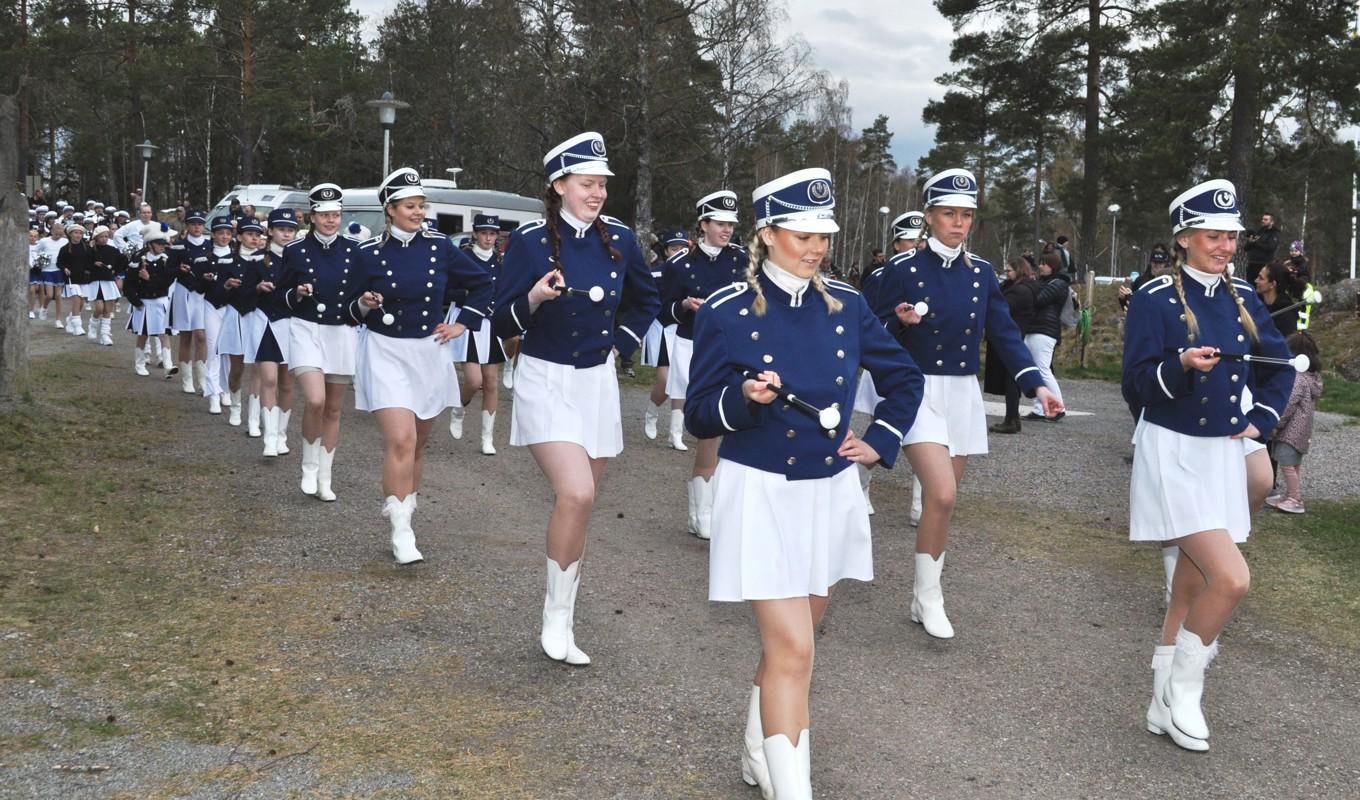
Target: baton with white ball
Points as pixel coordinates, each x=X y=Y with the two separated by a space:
x=1300 y=362
x=1309 y=298
x=828 y=418
x=595 y=293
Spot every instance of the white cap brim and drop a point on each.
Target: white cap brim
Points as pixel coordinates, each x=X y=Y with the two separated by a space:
x=910 y=234
x=583 y=168
x=809 y=225
x=1213 y=222
x=955 y=201
x=720 y=216
x=405 y=192
x=329 y=205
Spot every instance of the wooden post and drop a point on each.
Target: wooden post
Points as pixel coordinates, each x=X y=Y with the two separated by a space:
x=13 y=257
x=1090 y=298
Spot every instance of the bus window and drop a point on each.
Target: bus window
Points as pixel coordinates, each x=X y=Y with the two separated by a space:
x=449 y=224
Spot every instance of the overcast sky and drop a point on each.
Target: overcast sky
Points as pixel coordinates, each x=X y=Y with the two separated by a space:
x=890 y=52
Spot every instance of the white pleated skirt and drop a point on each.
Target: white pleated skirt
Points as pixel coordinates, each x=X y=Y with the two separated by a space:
x=152 y=319
x=478 y=346
x=951 y=414
x=253 y=326
x=187 y=309
x=414 y=374
x=677 y=379
x=80 y=290
x=1187 y=484
x=330 y=348
x=866 y=396
x=560 y=403
x=775 y=538
x=231 y=340
x=651 y=343
x=216 y=367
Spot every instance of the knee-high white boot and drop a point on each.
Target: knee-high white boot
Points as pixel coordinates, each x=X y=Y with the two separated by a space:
x=215 y=404
x=234 y=418
x=323 y=475
x=201 y=376
x=1170 y=555
x=270 y=417
x=253 y=416
x=866 y=475
x=704 y=506
x=488 y=432
x=651 y=416
x=789 y=773
x=186 y=377
x=281 y=433
x=559 y=608
x=678 y=429
x=311 y=465
x=167 y=362
x=693 y=488
x=927 y=602
x=398 y=513
x=139 y=362
x=508 y=374
x=915 y=501
x=1158 y=714
x=106 y=331
x=1184 y=689
x=456 y=415
x=753 y=768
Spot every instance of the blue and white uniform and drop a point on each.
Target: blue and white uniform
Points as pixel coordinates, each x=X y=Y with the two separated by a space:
x=188 y=305
x=210 y=268
x=480 y=346
x=698 y=272
x=320 y=336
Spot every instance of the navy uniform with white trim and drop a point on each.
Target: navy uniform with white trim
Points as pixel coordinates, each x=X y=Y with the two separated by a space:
x=789 y=520
x=480 y=346
x=320 y=336
x=1190 y=472
x=907 y=228
x=209 y=268
x=187 y=302
x=400 y=363
x=656 y=345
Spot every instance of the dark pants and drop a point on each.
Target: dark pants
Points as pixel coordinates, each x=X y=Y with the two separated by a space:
x=1012 y=400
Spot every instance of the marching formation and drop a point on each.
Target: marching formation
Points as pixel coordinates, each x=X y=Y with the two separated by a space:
x=759 y=356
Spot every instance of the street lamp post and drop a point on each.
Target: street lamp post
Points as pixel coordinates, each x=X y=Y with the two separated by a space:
x=1114 y=227
x=146 y=150
x=387 y=106
x=883 y=232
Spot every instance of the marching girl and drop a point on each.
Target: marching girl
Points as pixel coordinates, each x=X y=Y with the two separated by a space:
x=107 y=263
x=656 y=345
x=316 y=275
x=188 y=306
x=406 y=277
x=965 y=302
x=480 y=351
x=564 y=278
x=45 y=255
x=236 y=289
x=147 y=286
x=216 y=367
x=688 y=278
x=34 y=274
x=1190 y=471
x=268 y=334
x=74 y=260
x=789 y=519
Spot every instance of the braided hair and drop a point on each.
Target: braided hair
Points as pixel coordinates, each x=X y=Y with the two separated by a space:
x=756 y=248
x=1192 y=324
x=552 y=212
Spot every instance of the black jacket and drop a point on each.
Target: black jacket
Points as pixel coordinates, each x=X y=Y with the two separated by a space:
x=1050 y=293
x=107 y=263
x=76 y=260
x=1262 y=244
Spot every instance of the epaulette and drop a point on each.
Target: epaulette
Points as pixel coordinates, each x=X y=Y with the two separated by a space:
x=429 y=234
x=903 y=256
x=1157 y=284
x=531 y=225
x=608 y=220
x=733 y=289
x=376 y=240
x=841 y=286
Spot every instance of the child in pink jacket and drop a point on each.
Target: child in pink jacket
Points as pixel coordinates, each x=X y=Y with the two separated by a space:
x=1289 y=443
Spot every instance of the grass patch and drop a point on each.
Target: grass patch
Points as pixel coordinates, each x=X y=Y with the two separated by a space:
x=1339 y=395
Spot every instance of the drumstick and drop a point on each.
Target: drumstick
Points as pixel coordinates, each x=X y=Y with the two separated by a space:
x=828 y=418
x=595 y=293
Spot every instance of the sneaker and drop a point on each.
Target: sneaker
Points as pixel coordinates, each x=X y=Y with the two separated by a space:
x=1274 y=500
x=31 y=315
x=1290 y=506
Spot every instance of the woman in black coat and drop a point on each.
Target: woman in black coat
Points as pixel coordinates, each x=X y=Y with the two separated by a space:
x=1019 y=290
x=1044 y=330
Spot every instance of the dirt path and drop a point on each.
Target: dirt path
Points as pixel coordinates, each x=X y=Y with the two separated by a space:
x=349 y=677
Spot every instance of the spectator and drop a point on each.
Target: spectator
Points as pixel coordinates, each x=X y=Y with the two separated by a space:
x=234 y=208
x=178 y=223
x=248 y=211
x=1159 y=264
x=876 y=258
x=1028 y=255
x=1044 y=330
x=1272 y=284
x=1300 y=274
x=1018 y=289
x=39 y=198
x=1261 y=245
x=1289 y=444
x=1066 y=255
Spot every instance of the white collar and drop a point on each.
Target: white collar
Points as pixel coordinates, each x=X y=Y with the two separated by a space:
x=326 y=241
x=948 y=254
x=276 y=249
x=484 y=255
x=221 y=251
x=402 y=236
x=246 y=252
x=1209 y=280
x=195 y=240
x=709 y=249
x=150 y=256
x=576 y=224
x=790 y=283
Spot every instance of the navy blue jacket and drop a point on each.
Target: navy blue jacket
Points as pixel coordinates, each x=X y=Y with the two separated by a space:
x=331 y=269
x=242 y=267
x=184 y=253
x=692 y=273
x=1198 y=403
x=817 y=356
x=417 y=280
x=965 y=303
x=570 y=329
x=492 y=267
x=214 y=270
x=157 y=284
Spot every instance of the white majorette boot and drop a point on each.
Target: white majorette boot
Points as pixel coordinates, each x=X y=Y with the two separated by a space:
x=270 y=417
x=168 y=363
x=678 y=429
x=92 y=333
x=398 y=513
x=323 y=475
x=215 y=404
x=704 y=507
x=281 y=433
x=488 y=431
x=1183 y=690
x=927 y=600
x=753 y=769
x=650 y=417
x=693 y=487
x=186 y=377
x=456 y=414
x=311 y=465
x=866 y=475
x=139 y=362
x=915 y=501
x=1170 y=555
x=106 y=331
x=559 y=610
x=1158 y=714
x=508 y=374
x=253 y=416
x=201 y=375
x=234 y=403
x=788 y=774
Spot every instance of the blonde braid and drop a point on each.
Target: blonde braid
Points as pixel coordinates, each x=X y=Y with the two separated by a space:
x=756 y=248
x=1242 y=313
x=833 y=305
x=1191 y=324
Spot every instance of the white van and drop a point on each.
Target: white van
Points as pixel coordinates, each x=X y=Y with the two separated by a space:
x=264 y=196
x=449 y=208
